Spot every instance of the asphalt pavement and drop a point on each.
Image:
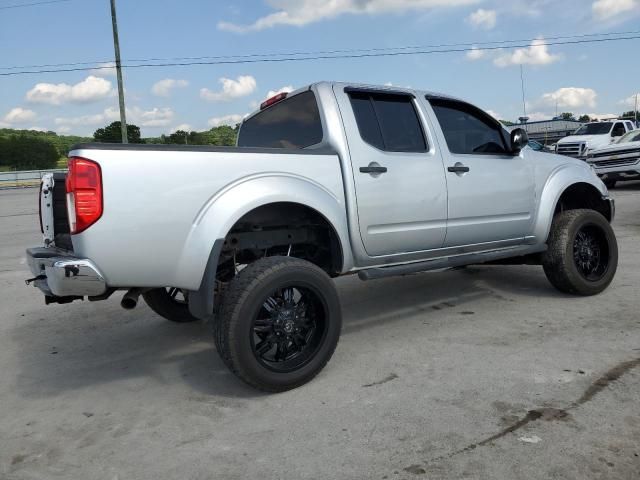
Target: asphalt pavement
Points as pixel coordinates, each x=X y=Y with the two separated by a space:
x=480 y=373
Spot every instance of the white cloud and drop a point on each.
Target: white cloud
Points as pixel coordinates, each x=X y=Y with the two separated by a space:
x=482 y=18
x=273 y=93
x=185 y=127
x=19 y=115
x=601 y=116
x=631 y=101
x=494 y=114
x=163 y=87
x=91 y=89
x=475 y=54
x=107 y=116
x=303 y=12
x=230 y=120
x=536 y=54
x=570 y=97
x=607 y=9
x=39 y=129
x=107 y=69
x=156 y=117
x=538 y=116
x=241 y=87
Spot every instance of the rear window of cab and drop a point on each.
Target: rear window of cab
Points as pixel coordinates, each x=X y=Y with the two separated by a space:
x=292 y=123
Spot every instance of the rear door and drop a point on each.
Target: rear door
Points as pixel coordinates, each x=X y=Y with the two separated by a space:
x=491 y=191
x=398 y=175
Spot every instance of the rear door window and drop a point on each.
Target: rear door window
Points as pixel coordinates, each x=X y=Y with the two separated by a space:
x=388 y=122
x=291 y=123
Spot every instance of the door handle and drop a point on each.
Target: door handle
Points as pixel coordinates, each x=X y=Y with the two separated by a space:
x=373 y=169
x=458 y=168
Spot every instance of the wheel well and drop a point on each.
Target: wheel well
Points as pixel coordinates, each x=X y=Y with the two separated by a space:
x=583 y=195
x=284 y=228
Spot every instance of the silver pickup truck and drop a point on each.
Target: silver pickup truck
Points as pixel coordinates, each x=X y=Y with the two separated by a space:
x=329 y=180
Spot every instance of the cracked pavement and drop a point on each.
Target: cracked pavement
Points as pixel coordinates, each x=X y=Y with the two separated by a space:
x=480 y=373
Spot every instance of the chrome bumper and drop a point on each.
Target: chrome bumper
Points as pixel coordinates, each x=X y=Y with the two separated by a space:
x=59 y=274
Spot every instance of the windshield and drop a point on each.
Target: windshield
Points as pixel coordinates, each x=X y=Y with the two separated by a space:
x=594 y=129
x=630 y=137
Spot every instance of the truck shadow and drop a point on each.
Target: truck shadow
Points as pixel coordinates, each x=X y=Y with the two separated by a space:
x=76 y=347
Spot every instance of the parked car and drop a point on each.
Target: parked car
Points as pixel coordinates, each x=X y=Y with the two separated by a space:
x=619 y=161
x=538 y=147
x=591 y=136
x=332 y=179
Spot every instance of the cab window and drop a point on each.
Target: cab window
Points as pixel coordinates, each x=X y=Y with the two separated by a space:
x=467 y=129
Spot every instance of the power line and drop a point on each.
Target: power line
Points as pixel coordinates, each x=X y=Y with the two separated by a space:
x=20 y=5
x=323 y=57
x=100 y=63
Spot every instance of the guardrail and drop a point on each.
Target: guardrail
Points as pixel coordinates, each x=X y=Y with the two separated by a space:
x=24 y=178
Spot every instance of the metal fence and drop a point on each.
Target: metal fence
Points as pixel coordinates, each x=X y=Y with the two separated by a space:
x=24 y=179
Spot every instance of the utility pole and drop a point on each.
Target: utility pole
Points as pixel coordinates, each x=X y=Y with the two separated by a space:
x=524 y=103
x=635 y=111
x=116 y=46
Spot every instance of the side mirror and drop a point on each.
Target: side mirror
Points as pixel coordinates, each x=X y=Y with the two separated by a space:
x=519 y=140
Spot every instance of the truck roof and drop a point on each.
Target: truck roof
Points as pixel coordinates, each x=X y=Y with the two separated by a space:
x=382 y=88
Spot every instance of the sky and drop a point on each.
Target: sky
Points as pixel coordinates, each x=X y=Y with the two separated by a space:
x=600 y=79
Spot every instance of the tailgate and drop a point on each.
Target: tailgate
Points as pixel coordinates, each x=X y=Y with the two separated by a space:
x=53 y=211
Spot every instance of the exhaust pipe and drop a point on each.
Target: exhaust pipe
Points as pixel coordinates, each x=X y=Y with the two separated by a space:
x=130 y=299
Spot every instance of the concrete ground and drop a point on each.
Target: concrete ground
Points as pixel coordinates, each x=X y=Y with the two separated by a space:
x=483 y=373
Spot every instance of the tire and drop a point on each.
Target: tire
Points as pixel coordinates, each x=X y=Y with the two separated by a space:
x=164 y=302
x=266 y=337
x=610 y=184
x=582 y=255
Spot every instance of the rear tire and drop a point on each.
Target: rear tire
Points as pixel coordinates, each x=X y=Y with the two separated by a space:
x=166 y=303
x=279 y=323
x=582 y=255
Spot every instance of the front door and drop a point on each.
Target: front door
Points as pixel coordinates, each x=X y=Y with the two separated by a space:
x=398 y=174
x=491 y=191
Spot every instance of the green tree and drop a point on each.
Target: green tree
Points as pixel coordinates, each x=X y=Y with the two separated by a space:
x=507 y=123
x=584 y=119
x=112 y=134
x=631 y=114
x=23 y=152
x=567 y=116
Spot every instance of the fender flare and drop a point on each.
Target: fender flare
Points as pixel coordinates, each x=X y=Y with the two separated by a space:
x=560 y=179
x=205 y=241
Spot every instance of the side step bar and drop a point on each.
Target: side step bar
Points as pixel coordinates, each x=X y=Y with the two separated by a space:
x=451 y=262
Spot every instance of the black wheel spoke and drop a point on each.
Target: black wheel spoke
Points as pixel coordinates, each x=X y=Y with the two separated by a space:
x=264 y=346
x=590 y=252
x=286 y=331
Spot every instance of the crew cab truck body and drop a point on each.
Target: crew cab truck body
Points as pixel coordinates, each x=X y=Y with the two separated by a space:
x=619 y=161
x=328 y=180
x=591 y=136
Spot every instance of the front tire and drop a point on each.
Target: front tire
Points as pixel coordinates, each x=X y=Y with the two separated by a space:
x=610 y=184
x=279 y=323
x=582 y=255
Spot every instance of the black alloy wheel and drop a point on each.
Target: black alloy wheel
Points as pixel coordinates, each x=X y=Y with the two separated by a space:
x=288 y=328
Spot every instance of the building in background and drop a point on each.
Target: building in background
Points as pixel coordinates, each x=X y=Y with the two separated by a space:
x=548 y=132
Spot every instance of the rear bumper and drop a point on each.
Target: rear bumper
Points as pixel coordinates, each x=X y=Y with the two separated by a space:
x=58 y=274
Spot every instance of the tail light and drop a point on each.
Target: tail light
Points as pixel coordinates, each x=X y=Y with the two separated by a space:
x=275 y=99
x=84 y=194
